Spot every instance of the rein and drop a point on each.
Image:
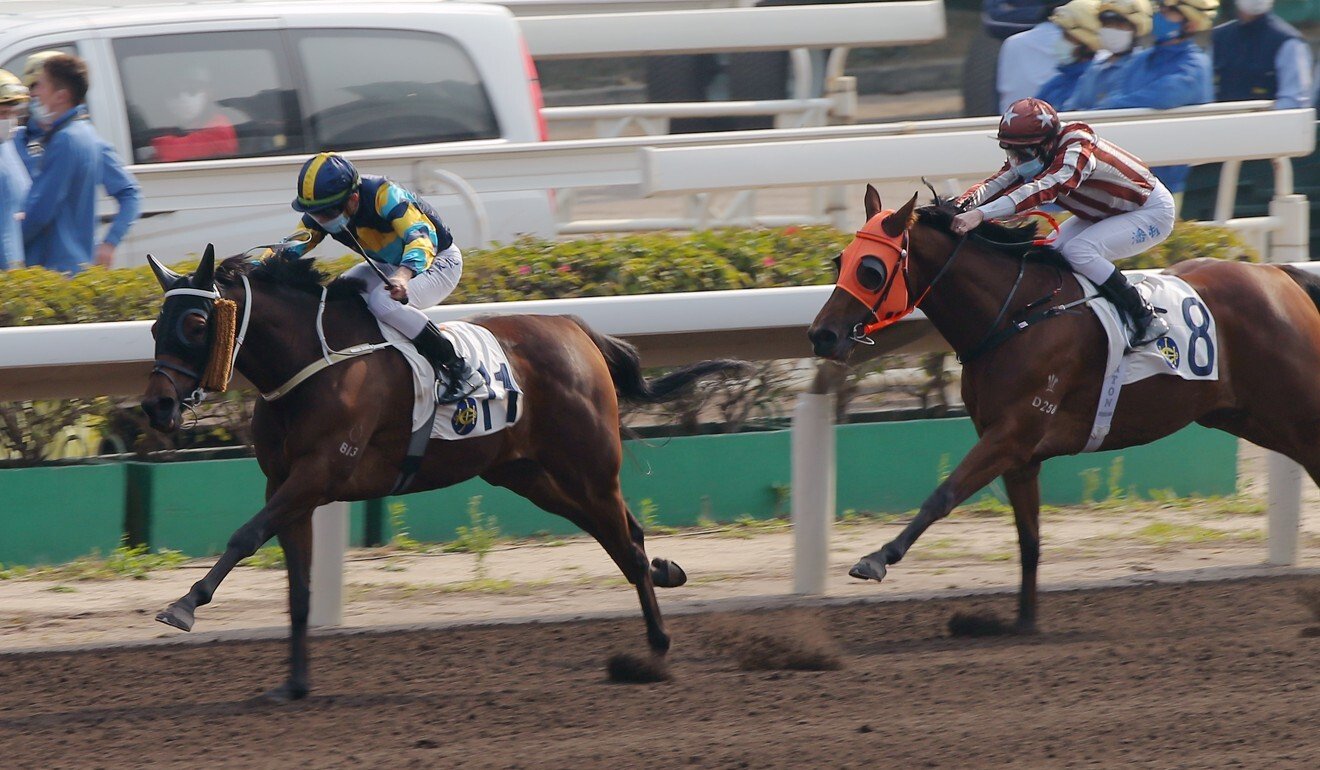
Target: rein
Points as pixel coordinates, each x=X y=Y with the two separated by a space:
x=219 y=362
x=328 y=357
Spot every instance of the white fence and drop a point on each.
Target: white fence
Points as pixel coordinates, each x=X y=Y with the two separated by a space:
x=46 y=362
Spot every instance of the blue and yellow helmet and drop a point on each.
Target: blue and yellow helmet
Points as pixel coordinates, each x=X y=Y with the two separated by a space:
x=325 y=182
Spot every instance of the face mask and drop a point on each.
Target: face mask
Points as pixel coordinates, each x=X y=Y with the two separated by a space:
x=1064 y=51
x=1255 y=7
x=1164 y=30
x=187 y=107
x=335 y=225
x=38 y=111
x=1027 y=170
x=1115 y=40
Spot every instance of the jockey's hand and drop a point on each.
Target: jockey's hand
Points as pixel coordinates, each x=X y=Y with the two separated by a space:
x=967 y=221
x=398 y=287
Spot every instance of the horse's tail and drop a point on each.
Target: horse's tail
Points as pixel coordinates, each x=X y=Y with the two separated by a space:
x=1310 y=283
x=626 y=370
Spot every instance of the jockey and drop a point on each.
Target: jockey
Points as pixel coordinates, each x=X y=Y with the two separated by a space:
x=1119 y=208
x=384 y=222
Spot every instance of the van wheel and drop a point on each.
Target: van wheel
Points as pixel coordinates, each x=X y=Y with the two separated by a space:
x=980 y=69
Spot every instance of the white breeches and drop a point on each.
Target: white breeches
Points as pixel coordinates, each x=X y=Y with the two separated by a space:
x=424 y=290
x=1092 y=247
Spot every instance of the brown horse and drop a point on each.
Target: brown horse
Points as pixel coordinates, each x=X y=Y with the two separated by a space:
x=342 y=434
x=974 y=290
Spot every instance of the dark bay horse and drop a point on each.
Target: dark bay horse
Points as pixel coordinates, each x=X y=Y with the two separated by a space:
x=342 y=433
x=1034 y=395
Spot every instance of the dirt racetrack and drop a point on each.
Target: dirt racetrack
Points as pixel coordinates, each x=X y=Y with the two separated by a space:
x=1214 y=674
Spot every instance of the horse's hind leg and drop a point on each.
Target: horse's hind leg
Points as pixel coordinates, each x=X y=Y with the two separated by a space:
x=602 y=514
x=664 y=573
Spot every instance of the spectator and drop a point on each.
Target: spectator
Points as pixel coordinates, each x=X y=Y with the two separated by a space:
x=1080 y=22
x=1122 y=22
x=1026 y=61
x=14 y=181
x=59 y=225
x=1174 y=72
x=1260 y=56
x=27 y=139
x=202 y=130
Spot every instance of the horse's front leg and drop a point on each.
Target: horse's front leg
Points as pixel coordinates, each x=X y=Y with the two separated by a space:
x=296 y=540
x=991 y=456
x=1023 y=488
x=296 y=497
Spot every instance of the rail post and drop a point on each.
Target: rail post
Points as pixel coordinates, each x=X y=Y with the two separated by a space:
x=329 y=544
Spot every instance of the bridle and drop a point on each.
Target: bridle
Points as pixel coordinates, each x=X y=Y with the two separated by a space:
x=862 y=330
x=164 y=368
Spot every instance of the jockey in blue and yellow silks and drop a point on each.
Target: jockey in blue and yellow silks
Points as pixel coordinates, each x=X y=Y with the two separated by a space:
x=390 y=225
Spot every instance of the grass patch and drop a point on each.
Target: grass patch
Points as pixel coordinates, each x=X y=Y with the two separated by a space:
x=1168 y=533
x=125 y=561
x=266 y=557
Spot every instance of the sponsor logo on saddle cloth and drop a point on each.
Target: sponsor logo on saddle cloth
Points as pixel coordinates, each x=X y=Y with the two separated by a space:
x=1190 y=350
x=488 y=410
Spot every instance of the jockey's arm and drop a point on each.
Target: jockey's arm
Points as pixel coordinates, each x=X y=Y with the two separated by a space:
x=1068 y=170
x=418 y=238
x=988 y=189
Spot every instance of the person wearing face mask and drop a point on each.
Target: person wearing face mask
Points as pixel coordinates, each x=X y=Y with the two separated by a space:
x=393 y=227
x=67 y=162
x=202 y=131
x=1261 y=56
x=1174 y=72
x=27 y=139
x=14 y=181
x=1119 y=208
x=1122 y=23
x=1027 y=60
x=1080 y=22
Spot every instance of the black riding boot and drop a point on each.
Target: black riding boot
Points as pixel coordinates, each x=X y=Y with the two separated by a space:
x=1147 y=326
x=461 y=378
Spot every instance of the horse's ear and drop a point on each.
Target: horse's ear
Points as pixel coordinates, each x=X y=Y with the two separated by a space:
x=164 y=276
x=897 y=222
x=872 y=201
x=204 y=278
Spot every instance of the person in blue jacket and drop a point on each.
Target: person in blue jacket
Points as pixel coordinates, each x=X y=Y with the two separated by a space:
x=1260 y=56
x=68 y=161
x=1174 y=72
x=1122 y=23
x=1080 y=22
x=14 y=180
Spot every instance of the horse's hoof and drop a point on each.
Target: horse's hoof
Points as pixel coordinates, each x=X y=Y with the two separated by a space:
x=667 y=574
x=285 y=693
x=176 y=616
x=867 y=569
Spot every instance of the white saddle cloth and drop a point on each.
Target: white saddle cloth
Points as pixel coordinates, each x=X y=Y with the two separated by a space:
x=489 y=409
x=1190 y=350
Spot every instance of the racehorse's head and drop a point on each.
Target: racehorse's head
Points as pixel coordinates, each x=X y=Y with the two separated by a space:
x=183 y=341
x=872 y=288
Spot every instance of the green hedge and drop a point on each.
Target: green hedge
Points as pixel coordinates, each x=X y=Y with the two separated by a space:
x=538 y=269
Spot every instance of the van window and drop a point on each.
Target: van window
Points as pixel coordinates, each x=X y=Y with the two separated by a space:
x=208 y=95
x=382 y=88
x=16 y=65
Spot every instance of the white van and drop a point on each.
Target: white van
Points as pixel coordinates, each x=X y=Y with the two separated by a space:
x=268 y=84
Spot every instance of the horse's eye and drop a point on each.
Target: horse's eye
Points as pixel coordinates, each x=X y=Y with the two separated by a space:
x=871 y=273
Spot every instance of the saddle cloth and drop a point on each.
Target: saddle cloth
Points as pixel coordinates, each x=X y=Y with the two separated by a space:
x=1190 y=350
x=488 y=410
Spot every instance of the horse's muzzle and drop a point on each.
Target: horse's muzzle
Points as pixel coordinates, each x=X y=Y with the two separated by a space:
x=826 y=343
x=162 y=413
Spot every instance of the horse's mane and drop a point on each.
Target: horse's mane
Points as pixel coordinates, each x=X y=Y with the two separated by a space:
x=1013 y=240
x=298 y=274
